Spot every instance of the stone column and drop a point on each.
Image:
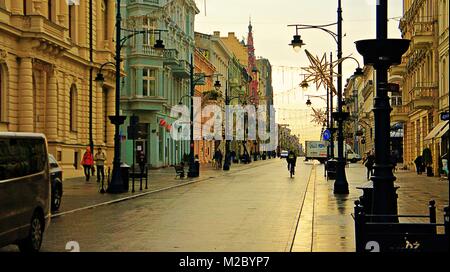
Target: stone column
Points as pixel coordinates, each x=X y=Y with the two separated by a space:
x=26 y=111
x=63 y=13
x=82 y=23
x=52 y=108
x=111 y=10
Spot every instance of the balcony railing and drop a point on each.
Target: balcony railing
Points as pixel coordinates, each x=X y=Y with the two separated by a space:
x=422 y=34
x=171 y=57
x=423 y=95
x=182 y=69
x=399 y=113
x=150 y=51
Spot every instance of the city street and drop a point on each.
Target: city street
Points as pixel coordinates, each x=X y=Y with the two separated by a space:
x=254 y=209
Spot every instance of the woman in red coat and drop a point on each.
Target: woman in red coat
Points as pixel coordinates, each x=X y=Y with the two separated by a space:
x=87 y=162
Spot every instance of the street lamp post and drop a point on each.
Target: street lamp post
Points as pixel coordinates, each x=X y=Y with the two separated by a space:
x=341 y=184
x=116 y=184
x=193 y=170
x=381 y=53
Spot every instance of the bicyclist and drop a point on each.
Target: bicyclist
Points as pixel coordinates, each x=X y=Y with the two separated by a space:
x=291 y=160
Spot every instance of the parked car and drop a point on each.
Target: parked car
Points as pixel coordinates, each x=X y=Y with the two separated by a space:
x=284 y=154
x=24 y=190
x=56 y=180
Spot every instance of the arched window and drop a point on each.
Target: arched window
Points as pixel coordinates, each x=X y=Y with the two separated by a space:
x=73 y=108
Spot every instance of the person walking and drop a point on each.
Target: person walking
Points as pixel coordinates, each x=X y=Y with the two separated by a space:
x=368 y=162
x=100 y=159
x=292 y=161
x=87 y=162
x=419 y=164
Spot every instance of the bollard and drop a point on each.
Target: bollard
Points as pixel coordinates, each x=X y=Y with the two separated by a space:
x=432 y=209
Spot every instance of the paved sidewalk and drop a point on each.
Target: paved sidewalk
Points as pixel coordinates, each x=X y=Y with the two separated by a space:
x=326 y=224
x=79 y=194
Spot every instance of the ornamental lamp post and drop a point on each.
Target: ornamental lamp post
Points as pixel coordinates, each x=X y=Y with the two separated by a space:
x=117 y=184
x=194 y=171
x=381 y=53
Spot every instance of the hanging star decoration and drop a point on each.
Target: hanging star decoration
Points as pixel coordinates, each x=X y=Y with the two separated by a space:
x=319 y=116
x=320 y=71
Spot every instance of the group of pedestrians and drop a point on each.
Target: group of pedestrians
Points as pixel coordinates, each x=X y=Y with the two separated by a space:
x=88 y=163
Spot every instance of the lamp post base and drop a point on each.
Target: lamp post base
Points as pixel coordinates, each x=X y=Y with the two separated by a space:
x=341 y=184
x=116 y=185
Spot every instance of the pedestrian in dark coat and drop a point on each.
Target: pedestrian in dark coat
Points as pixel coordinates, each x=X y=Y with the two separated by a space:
x=419 y=164
x=368 y=162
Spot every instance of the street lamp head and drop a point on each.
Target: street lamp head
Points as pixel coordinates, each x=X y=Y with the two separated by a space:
x=99 y=78
x=358 y=72
x=217 y=85
x=297 y=43
x=308 y=102
x=159 y=45
x=304 y=85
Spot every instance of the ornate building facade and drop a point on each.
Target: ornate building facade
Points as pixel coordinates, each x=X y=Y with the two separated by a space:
x=423 y=79
x=157 y=79
x=44 y=74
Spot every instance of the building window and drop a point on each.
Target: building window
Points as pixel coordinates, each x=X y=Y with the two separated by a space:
x=149 y=36
x=430 y=121
x=71 y=20
x=25 y=7
x=49 y=10
x=149 y=82
x=73 y=108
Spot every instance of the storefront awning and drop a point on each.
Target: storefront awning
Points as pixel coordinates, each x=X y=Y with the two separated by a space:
x=436 y=130
x=443 y=131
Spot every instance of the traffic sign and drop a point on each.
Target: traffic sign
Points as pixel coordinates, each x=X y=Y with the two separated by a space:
x=445 y=116
x=326 y=135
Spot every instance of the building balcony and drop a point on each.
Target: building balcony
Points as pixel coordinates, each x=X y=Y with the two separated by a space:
x=182 y=70
x=422 y=35
x=147 y=51
x=423 y=96
x=171 y=57
x=140 y=103
x=398 y=70
x=399 y=114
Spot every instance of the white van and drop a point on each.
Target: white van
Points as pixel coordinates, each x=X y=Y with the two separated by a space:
x=24 y=190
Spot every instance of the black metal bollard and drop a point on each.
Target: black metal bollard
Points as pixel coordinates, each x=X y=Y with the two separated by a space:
x=432 y=209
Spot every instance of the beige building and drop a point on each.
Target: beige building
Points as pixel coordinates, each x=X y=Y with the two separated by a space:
x=423 y=79
x=44 y=74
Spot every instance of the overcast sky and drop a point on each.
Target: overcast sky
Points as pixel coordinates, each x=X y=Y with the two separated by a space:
x=272 y=36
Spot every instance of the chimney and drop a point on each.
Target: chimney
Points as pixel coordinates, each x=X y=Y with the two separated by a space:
x=216 y=33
